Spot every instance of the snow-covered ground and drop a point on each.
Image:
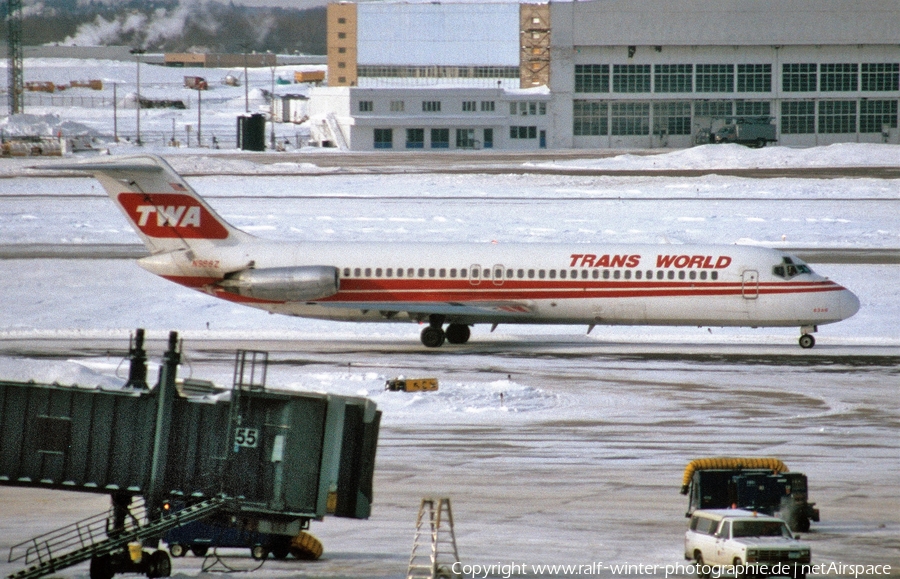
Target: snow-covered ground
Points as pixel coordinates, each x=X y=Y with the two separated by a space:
x=80 y=111
x=580 y=461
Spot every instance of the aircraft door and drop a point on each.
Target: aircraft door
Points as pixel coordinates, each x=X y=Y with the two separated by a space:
x=750 y=284
x=475 y=274
x=498 y=274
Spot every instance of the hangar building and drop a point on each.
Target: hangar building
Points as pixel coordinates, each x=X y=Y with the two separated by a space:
x=647 y=73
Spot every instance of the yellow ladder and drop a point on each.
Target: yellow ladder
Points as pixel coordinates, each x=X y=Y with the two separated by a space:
x=434 y=548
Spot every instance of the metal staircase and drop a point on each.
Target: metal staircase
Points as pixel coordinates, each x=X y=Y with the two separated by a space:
x=335 y=129
x=96 y=536
x=434 y=549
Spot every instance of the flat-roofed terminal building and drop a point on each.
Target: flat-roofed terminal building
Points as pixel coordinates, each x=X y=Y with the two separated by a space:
x=435 y=76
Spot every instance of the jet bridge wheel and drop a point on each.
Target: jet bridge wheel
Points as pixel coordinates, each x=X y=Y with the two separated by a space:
x=458 y=333
x=160 y=565
x=101 y=567
x=807 y=341
x=433 y=337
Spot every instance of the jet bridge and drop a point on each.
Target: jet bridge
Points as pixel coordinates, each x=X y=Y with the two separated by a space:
x=273 y=460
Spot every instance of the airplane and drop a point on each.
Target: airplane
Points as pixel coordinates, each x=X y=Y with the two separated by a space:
x=453 y=286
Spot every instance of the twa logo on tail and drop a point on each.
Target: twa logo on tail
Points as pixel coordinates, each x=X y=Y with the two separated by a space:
x=171 y=215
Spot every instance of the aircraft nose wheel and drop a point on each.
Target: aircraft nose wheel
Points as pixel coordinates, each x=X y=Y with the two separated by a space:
x=433 y=337
x=807 y=341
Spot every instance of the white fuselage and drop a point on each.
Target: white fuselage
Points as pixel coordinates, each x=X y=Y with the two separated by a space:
x=533 y=283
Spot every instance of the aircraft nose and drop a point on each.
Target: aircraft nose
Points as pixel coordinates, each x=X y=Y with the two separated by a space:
x=849 y=303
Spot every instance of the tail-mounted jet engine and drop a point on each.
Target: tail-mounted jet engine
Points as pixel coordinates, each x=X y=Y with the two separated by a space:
x=284 y=284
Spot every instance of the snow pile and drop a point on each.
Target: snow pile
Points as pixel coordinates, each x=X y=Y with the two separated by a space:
x=42 y=125
x=206 y=165
x=68 y=373
x=731 y=156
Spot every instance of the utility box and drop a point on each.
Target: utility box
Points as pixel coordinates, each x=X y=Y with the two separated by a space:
x=251 y=132
x=411 y=384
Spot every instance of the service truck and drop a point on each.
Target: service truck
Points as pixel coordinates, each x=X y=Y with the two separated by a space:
x=750 y=131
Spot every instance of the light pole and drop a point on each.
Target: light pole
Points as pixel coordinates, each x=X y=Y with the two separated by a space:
x=115 y=116
x=199 y=133
x=137 y=52
x=245 y=46
x=272 y=106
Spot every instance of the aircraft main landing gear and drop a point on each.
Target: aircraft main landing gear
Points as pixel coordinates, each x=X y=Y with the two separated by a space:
x=458 y=333
x=433 y=336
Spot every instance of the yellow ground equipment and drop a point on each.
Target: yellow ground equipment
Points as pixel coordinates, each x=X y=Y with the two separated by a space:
x=773 y=464
x=411 y=384
x=306 y=547
x=756 y=484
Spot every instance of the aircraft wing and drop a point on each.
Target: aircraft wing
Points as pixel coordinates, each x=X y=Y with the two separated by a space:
x=476 y=308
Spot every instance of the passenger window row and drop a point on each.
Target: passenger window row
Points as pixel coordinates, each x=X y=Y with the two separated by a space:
x=464 y=273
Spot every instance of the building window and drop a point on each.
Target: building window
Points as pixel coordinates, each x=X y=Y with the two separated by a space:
x=342 y=50
x=589 y=118
x=366 y=106
x=342 y=64
x=342 y=79
x=875 y=115
x=630 y=118
x=838 y=77
x=342 y=21
x=431 y=106
x=673 y=78
x=713 y=109
x=415 y=138
x=468 y=106
x=754 y=78
x=465 y=138
x=672 y=118
x=715 y=78
x=631 y=78
x=591 y=78
x=488 y=141
x=526 y=108
x=798 y=117
x=487 y=106
x=753 y=109
x=798 y=77
x=398 y=106
x=879 y=77
x=342 y=35
x=439 y=71
x=384 y=138
x=440 y=138
x=837 y=117
x=523 y=132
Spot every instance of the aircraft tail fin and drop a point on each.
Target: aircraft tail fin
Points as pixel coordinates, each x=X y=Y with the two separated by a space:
x=165 y=211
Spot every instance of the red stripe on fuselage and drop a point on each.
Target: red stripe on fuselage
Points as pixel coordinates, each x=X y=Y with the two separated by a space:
x=440 y=290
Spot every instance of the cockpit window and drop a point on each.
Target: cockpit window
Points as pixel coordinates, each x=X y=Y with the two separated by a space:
x=788 y=269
